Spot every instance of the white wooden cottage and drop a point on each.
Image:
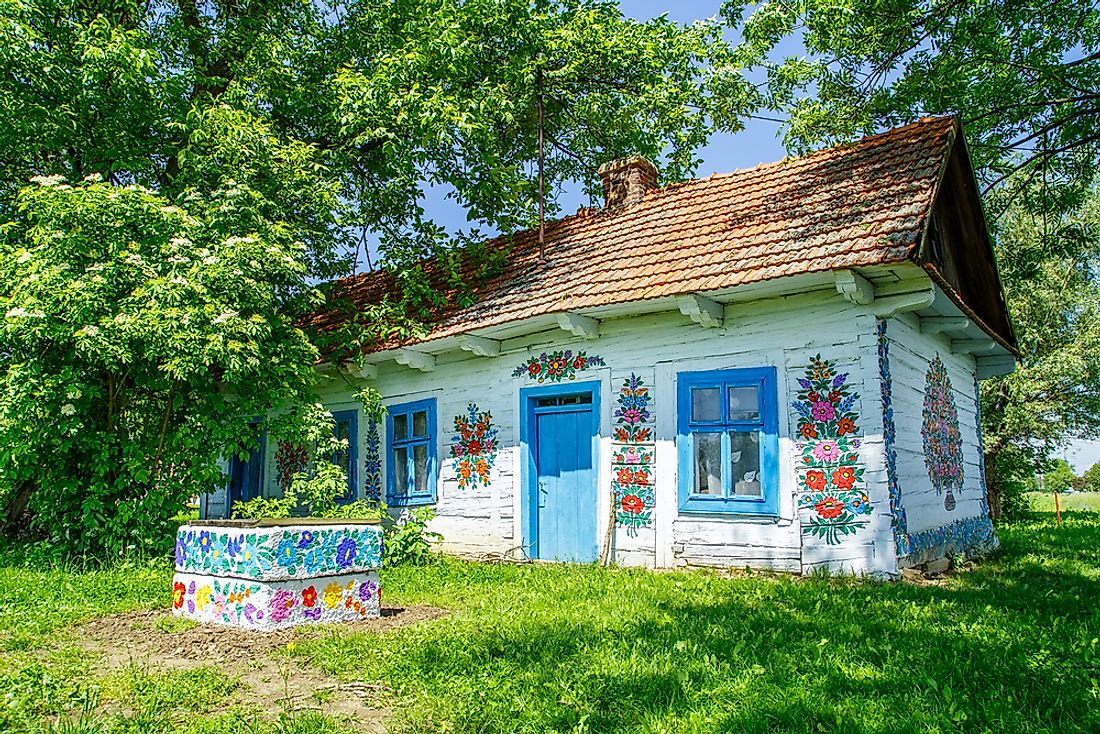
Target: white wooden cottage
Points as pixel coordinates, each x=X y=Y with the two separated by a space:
x=774 y=368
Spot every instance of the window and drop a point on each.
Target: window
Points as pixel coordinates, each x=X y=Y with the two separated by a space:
x=410 y=433
x=347 y=427
x=727 y=441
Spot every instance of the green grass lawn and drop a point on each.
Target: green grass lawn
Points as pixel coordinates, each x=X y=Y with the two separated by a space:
x=1044 y=501
x=1010 y=645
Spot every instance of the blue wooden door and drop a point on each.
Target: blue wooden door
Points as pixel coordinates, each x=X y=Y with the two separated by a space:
x=566 y=478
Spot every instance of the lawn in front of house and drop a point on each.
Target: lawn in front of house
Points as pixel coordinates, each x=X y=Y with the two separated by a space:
x=1010 y=645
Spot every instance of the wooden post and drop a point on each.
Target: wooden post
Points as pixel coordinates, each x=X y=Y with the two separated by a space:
x=1058 y=507
x=605 y=551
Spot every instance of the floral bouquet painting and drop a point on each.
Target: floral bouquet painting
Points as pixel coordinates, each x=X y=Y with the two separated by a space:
x=830 y=472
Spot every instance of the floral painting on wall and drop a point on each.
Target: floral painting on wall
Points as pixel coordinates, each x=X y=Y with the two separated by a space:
x=943 y=452
x=632 y=456
x=830 y=471
x=372 y=462
x=474 y=447
x=557 y=366
x=290 y=459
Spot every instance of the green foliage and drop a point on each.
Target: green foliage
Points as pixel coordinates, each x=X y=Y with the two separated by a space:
x=139 y=339
x=1091 y=478
x=408 y=542
x=1059 y=476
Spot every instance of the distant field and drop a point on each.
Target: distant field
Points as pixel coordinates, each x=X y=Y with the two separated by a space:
x=1044 y=501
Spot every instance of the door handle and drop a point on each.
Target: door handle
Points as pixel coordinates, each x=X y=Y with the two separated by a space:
x=543 y=492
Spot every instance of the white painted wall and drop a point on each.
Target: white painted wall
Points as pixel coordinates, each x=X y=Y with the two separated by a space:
x=911 y=352
x=782 y=332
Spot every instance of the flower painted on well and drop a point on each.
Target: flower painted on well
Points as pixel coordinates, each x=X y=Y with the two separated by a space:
x=633 y=504
x=844 y=477
x=829 y=508
x=181 y=551
x=233 y=545
x=314 y=558
x=309 y=596
x=333 y=593
x=816 y=480
x=205 y=541
x=202 y=596
x=826 y=451
x=282 y=603
x=345 y=552
x=287 y=553
x=179 y=591
x=305 y=539
x=366 y=589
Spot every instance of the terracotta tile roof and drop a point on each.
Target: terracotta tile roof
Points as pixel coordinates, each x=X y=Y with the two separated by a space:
x=850 y=206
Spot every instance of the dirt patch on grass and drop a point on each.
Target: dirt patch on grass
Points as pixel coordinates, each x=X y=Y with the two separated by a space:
x=157 y=640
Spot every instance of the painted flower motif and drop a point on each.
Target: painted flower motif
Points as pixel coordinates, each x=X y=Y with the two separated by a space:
x=823 y=411
x=181 y=551
x=633 y=504
x=533 y=369
x=556 y=367
x=345 y=552
x=309 y=596
x=826 y=451
x=473 y=447
x=314 y=558
x=305 y=539
x=205 y=541
x=815 y=480
x=281 y=605
x=202 y=597
x=312 y=614
x=333 y=594
x=365 y=590
x=233 y=545
x=624 y=475
x=632 y=415
x=829 y=508
x=287 y=553
x=844 y=477
x=845 y=426
x=808 y=430
x=579 y=363
x=179 y=591
x=631 y=455
x=860 y=505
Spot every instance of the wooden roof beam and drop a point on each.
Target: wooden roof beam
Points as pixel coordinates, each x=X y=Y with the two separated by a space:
x=854 y=287
x=479 y=345
x=702 y=310
x=940 y=325
x=414 y=359
x=577 y=324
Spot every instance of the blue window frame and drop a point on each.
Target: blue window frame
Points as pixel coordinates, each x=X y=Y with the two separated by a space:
x=728 y=441
x=411 y=438
x=346 y=426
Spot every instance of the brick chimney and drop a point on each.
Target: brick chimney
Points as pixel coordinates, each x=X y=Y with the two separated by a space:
x=627 y=180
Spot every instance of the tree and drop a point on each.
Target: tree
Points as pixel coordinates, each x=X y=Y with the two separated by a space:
x=1023 y=78
x=1059 y=476
x=1091 y=478
x=136 y=336
x=272 y=137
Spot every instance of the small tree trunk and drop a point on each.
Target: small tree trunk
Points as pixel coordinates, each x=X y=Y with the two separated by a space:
x=994 y=489
x=17 y=506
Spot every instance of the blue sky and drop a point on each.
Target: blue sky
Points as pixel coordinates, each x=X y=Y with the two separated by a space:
x=759 y=142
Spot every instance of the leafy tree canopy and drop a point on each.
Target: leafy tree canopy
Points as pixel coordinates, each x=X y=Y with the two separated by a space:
x=198 y=165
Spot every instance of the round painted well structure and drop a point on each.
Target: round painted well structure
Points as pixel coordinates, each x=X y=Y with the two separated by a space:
x=266 y=575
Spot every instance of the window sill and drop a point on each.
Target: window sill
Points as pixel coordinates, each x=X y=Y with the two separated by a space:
x=409 y=501
x=729 y=507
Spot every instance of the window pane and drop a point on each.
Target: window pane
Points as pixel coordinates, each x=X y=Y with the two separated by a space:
x=401 y=471
x=420 y=461
x=401 y=426
x=744 y=403
x=706 y=404
x=745 y=463
x=420 y=423
x=708 y=463
x=343 y=429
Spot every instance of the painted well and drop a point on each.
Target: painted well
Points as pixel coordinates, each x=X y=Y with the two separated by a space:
x=276 y=576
